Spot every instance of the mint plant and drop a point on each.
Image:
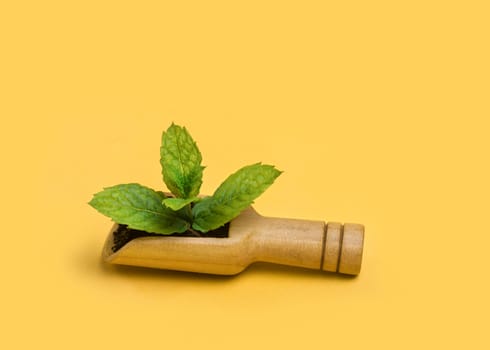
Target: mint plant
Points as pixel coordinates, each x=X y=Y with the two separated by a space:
x=142 y=208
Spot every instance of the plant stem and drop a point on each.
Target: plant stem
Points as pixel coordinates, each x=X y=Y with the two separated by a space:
x=194 y=232
x=188 y=213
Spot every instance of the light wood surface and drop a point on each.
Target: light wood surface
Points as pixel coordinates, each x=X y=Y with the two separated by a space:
x=310 y=244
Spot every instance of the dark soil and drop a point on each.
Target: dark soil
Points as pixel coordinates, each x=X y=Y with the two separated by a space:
x=123 y=235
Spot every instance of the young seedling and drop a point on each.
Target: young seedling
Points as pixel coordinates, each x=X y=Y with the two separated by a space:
x=142 y=208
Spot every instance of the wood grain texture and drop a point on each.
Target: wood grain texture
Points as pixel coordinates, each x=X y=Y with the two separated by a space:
x=252 y=238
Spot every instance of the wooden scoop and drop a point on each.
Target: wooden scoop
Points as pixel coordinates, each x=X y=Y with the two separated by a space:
x=252 y=237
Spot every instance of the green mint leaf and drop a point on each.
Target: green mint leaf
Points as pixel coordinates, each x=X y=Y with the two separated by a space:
x=181 y=162
x=234 y=195
x=139 y=207
x=178 y=203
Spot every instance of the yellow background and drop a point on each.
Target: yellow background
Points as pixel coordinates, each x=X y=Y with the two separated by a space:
x=377 y=111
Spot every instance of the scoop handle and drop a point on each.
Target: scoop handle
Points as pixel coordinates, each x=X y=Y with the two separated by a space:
x=329 y=246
